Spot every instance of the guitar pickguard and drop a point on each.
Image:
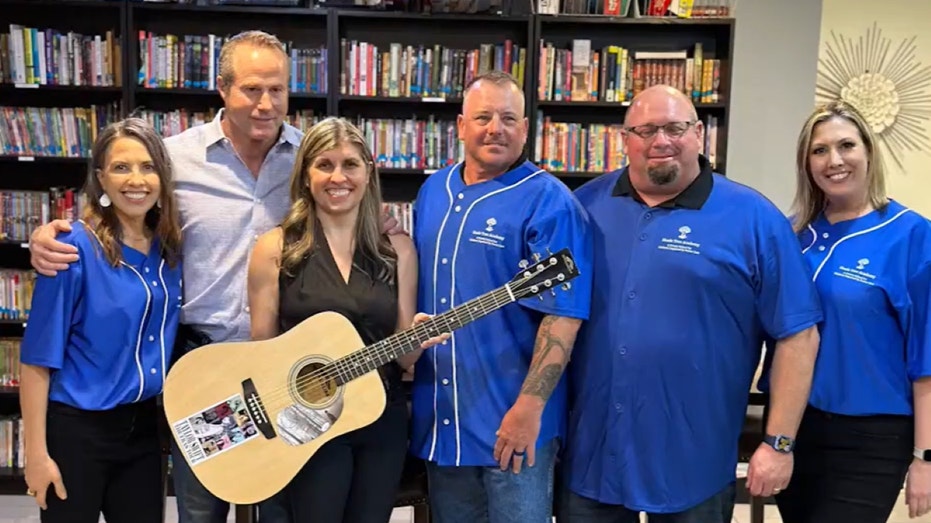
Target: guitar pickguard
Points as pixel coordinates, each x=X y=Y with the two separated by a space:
x=298 y=424
x=317 y=402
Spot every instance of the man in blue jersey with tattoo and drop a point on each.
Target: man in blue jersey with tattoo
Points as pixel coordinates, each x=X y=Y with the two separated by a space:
x=489 y=404
x=692 y=271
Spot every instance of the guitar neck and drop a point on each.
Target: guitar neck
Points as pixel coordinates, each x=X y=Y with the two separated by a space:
x=367 y=359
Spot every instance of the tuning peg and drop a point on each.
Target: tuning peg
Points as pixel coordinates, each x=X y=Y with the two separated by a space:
x=523 y=264
x=540 y=296
x=536 y=256
x=553 y=292
x=566 y=286
x=549 y=252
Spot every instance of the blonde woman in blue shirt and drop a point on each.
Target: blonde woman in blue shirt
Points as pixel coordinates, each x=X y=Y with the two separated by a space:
x=868 y=421
x=99 y=338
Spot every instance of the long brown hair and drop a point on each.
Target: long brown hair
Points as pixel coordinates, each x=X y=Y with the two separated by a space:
x=163 y=219
x=809 y=198
x=298 y=225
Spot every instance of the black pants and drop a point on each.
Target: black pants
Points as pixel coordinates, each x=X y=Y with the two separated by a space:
x=353 y=478
x=110 y=462
x=847 y=468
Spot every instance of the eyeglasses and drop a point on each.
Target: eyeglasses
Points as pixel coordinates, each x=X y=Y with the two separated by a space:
x=672 y=129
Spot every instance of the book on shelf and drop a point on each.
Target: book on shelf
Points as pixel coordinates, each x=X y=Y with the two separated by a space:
x=9 y=362
x=618 y=74
x=12 y=442
x=583 y=7
x=16 y=287
x=170 y=61
x=403 y=212
x=596 y=148
x=23 y=211
x=33 y=56
x=422 y=71
x=53 y=131
x=412 y=143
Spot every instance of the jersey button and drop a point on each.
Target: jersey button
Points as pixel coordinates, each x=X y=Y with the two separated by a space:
x=153 y=371
x=821 y=248
x=445 y=381
x=446 y=421
x=623 y=350
x=444 y=261
x=631 y=295
x=151 y=338
x=458 y=208
x=643 y=236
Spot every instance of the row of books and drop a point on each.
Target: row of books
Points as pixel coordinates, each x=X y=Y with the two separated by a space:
x=16 y=286
x=9 y=362
x=12 y=443
x=192 y=62
x=618 y=74
x=403 y=212
x=53 y=131
x=640 y=8
x=595 y=148
x=22 y=211
x=34 y=56
x=423 y=71
x=170 y=123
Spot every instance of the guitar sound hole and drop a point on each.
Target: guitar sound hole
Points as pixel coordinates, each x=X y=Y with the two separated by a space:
x=315 y=385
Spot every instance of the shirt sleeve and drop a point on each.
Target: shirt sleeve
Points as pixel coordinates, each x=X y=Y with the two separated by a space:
x=787 y=299
x=918 y=344
x=559 y=222
x=53 y=303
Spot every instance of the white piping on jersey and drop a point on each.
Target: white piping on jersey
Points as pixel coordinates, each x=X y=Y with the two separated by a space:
x=452 y=339
x=452 y=288
x=814 y=239
x=161 y=278
x=858 y=233
x=148 y=300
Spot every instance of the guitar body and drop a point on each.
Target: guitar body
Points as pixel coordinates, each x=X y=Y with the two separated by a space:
x=248 y=416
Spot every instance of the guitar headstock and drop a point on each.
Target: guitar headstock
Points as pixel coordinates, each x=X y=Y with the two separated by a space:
x=546 y=273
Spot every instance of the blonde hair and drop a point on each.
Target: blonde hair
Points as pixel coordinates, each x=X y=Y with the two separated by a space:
x=298 y=225
x=259 y=39
x=809 y=198
x=162 y=219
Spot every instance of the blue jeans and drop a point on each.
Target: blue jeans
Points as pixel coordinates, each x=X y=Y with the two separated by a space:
x=197 y=505
x=492 y=495
x=574 y=508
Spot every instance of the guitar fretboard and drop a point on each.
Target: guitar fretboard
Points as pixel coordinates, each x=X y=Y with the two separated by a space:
x=370 y=358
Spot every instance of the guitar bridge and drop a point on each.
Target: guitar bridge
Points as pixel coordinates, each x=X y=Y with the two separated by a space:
x=257 y=409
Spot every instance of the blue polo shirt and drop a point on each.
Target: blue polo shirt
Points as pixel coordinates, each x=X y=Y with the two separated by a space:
x=682 y=298
x=106 y=333
x=470 y=240
x=873 y=274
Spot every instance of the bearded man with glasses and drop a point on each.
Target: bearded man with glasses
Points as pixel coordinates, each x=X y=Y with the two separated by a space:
x=693 y=272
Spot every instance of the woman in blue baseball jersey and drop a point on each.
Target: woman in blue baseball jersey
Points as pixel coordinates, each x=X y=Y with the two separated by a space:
x=868 y=422
x=99 y=337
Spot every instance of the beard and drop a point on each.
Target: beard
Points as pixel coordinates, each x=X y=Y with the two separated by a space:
x=663 y=175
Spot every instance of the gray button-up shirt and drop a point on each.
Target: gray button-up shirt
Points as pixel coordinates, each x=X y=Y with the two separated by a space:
x=224 y=209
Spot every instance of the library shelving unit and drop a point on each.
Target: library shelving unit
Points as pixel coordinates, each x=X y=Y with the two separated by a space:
x=398 y=75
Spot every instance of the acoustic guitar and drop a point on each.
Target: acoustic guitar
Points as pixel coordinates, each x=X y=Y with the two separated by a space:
x=247 y=416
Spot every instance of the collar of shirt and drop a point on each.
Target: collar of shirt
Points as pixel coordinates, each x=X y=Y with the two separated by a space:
x=693 y=197
x=213 y=132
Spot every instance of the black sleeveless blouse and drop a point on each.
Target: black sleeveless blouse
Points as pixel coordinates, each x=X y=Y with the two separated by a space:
x=369 y=304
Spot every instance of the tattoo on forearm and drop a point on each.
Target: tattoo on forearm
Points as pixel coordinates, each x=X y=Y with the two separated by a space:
x=550 y=355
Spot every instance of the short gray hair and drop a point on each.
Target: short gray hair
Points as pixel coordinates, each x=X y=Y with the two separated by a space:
x=254 y=38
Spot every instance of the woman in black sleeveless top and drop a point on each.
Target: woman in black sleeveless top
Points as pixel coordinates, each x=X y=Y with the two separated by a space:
x=329 y=254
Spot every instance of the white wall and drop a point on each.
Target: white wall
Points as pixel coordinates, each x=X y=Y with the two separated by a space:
x=773 y=84
x=898 y=21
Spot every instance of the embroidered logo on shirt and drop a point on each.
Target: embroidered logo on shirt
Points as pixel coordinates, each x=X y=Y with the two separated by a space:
x=857 y=273
x=487 y=236
x=681 y=243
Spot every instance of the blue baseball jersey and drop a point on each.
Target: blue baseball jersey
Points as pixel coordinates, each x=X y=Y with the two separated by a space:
x=683 y=295
x=471 y=240
x=105 y=333
x=873 y=275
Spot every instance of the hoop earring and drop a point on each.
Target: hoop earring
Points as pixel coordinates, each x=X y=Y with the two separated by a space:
x=158 y=203
x=105 y=200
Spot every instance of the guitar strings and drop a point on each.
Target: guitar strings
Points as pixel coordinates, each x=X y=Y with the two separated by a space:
x=342 y=366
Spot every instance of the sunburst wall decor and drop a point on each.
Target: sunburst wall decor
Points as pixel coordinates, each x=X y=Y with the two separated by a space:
x=888 y=86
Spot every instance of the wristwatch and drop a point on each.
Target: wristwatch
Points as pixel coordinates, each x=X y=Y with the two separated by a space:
x=781 y=443
x=922 y=454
